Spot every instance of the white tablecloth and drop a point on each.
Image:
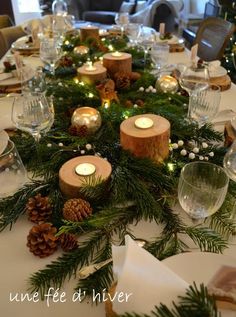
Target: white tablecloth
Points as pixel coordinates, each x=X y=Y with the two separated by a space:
x=17 y=263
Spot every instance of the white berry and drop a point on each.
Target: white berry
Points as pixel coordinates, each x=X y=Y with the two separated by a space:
x=180 y=143
x=82 y=151
x=183 y=152
x=49 y=145
x=88 y=146
x=201 y=158
x=150 y=87
x=204 y=145
x=191 y=156
x=175 y=146
x=196 y=150
x=154 y=90
x=135 y=105
x=141 y=89
x=211 y=154
x=147 y=90
x=206 y=158
x=60 y=144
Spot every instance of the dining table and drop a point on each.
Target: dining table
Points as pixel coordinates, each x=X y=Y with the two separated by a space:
x=17 y=263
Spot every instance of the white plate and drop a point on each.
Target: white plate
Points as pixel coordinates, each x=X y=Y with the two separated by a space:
x=218 y=72
x=173 y=40
x=3 y=141
x=28 y=74
x=199 y=267
x=21 y=44
x=5 y=113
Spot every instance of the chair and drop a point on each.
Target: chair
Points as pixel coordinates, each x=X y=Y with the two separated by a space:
x=5 y=21
x=8 y=36
x=212 y=38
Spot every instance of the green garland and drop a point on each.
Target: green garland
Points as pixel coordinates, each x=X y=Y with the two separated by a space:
x=150 y=187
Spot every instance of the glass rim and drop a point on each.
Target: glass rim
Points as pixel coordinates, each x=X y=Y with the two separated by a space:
x=205 y=163
x=12 y=145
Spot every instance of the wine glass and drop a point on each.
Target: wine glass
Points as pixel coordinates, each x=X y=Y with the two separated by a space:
x=121 y=19
x=230 y=162
x=50 y=52
x=204 y=104
x=146 y=39
x=193 y=79
x=202 y=189
x=133 y=30
x=33 y=114
x=159 y=55
x=12 y=171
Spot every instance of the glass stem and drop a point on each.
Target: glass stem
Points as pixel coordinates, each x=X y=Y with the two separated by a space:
x=36 y=136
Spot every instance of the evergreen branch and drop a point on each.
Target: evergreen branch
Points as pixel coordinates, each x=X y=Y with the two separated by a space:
x=207 y=239
x=13 y=206
x=66 y=265
x=195 y=303
x=222 y=222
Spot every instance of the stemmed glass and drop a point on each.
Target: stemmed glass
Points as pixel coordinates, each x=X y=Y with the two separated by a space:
x=146 y=39
x=32 y=113
x=159 y=55
x=50 y=52
x=133 y=30
x=202 y=189
x=193 y=79
x=122 y=19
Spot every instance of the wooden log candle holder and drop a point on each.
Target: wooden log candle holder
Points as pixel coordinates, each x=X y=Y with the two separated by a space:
x=73 y=173
x=146 y=135
x=117 y=62
x=93 y=74
x=89 y=31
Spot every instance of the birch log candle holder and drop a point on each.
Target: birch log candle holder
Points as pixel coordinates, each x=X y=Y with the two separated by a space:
x=89 y=31
x=117 y=62
x=91 y=74
x=146 y=135
x=73 y=174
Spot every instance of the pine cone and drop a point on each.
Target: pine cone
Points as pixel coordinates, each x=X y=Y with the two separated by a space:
x=68 y=242
x=41 y=240
x=122 y=80
x=81 y=131
x=135 y=76
x=76 y=209
x=39 y=209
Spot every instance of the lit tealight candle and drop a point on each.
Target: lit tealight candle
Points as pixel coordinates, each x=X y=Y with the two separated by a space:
x=143 y=123
x=116 y=54
x=90 y=67
x=85 y=169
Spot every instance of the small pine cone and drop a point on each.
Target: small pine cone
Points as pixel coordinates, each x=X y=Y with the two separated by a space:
x=68 y=242
x=135 y=76
x=81 y=131
x=41 y=240
x=76 y=209
x=39 y=209
x=129 y=104
x=122 y=80
x=139 y=102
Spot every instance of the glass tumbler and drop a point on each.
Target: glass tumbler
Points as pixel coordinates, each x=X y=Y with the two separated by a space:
x=12 y=171
x=202 y=189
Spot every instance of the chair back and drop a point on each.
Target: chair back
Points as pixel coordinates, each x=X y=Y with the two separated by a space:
x=212 y=38
x=8 y=36
x=5 y=21
x=211 y=10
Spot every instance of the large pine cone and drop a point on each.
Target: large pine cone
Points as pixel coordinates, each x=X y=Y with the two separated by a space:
x=41 y=240
x=122 y=80
x=68 y=242
x=39 y=209
x=76 y=209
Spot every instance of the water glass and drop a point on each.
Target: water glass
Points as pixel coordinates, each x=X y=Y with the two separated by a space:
x=133 y=30
x=122 y=19
x=202 y=188
x=159 y=54
x=12 y=171
x=50 y=52
x=204 y=104
x=230 y=162
x=146 y=40
x=33 y=113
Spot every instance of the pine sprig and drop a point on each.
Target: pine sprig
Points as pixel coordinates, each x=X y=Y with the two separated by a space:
x=195 y=303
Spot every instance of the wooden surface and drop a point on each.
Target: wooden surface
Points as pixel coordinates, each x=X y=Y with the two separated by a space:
x=115 y=64
x=152 y=143
x=70 y=182
x=176 y=48
x=92 y=77
x=229 y=133
x=89 y=32
x=223 y=81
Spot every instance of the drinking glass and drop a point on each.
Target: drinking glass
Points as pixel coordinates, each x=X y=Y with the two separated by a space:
x=202 y=188
x=122 y=19
x=33 y=114
x=194 y=79
x=159 y=55
x=204 y=104
x=133 y=30
x=146 y=40
x=12 y=171
x=230 y=162
x=50 y=52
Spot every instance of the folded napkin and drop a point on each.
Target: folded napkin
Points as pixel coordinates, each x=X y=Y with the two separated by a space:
x=5 y=112
x=148 y=280
x=213 y=65
x=4 y=76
